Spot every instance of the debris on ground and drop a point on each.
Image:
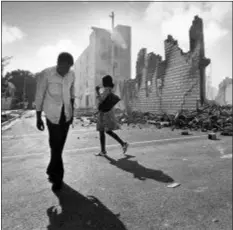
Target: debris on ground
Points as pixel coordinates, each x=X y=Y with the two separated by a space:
x=212 y=136
x=227 y=133
x=227 y=156
x=86 y=121
x=215 y=220
x=173 y=185
x=210 y=117
x=185 y=133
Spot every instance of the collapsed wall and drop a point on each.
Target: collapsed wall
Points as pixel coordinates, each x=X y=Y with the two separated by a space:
x=166 y=86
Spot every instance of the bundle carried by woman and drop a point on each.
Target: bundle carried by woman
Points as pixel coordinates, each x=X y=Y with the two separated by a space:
x=110 y=101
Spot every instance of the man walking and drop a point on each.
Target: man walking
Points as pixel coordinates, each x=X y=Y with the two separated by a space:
x=55 y=96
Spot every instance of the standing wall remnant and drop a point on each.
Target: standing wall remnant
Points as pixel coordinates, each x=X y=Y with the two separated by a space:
x=166 y=86
x=224 y=96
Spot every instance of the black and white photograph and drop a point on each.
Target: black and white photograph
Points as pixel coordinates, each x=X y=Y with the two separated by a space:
x=116 y=115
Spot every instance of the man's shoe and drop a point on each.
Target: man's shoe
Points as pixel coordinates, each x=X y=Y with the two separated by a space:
x=50 y=179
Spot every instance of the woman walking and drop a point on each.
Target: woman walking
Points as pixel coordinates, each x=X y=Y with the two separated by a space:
x=106 y=121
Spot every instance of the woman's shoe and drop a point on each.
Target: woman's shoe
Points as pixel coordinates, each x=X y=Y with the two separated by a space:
x=125 y=147
x=101 y=154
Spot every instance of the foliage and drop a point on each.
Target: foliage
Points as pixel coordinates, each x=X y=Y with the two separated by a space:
x=25 y=83
x=4 y=63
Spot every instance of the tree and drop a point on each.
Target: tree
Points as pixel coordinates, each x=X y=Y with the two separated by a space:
x=4 y=82
x=4 y=63
x=25 y=84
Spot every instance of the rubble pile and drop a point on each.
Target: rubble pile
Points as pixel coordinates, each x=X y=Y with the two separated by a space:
x=159 y=120
x=210 y=117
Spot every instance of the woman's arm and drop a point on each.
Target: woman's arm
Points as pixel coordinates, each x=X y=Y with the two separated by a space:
x=101 y=97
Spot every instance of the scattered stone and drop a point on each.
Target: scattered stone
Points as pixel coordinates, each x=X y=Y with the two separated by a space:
x=185 y=133
x=214 y=130
x=201 y=189
x=227 y=133
x=151 y=122
x=173 y=185
x=164 y=124
x=212 y=136
x=215 y=220
x=227 y=156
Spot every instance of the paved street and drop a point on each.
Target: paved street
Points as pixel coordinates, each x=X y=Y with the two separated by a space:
x=117 y=192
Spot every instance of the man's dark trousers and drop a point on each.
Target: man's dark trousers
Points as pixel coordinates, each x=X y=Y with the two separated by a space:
x=57 y=139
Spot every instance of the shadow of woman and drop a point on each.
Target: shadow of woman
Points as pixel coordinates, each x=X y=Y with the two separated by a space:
x=139 y=171
x=81 y=213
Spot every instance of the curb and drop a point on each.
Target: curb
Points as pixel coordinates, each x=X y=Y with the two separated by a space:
x=4 y=124
x=10 y=120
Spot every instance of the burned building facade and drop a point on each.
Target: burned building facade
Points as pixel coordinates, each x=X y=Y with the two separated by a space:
x=178 y=82
x=97 y=61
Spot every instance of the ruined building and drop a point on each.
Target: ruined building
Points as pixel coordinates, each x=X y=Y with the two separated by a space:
x=211 y=91
x=178 y=82
x=224 y=96
x=96 y=61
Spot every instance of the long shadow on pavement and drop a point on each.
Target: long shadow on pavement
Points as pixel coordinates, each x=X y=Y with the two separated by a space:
x=139 y=171
x=81 y=213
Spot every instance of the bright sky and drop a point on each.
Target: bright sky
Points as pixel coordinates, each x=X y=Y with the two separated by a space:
x=35 y=32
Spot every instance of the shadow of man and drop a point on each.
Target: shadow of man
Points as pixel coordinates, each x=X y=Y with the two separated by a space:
x=139 y=171
x=81 y=213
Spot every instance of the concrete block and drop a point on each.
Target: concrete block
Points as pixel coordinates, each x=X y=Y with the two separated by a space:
x=212 y=136
x=185 y=133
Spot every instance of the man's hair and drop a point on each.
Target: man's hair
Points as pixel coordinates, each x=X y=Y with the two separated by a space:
x=65 y=58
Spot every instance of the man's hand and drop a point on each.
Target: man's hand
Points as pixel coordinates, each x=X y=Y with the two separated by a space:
x=39 y=121
x=72 y=117
x=40 y=124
